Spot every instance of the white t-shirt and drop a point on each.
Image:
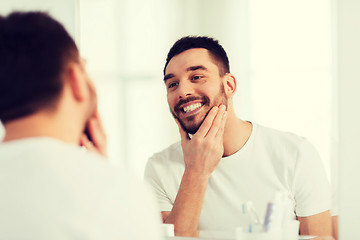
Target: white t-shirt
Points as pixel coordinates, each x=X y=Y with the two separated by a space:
x=53 y=190
x=270 y=161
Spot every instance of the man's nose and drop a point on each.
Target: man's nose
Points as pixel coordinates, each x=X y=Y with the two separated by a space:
x=185 y=90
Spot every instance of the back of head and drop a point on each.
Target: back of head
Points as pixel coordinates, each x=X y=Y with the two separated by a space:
x=34 y=49
x=216 y=51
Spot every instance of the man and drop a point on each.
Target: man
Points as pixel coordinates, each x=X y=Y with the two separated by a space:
x=204 y=182
x=50 y=188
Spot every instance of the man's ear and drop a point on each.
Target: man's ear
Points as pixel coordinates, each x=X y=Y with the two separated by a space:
x=229 y=85
x=75 y=79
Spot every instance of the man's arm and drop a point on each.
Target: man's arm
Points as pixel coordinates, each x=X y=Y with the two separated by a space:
x=186 y=211
x=335 y=227
x=312 y=192
x=202 y=153
x=316 y=225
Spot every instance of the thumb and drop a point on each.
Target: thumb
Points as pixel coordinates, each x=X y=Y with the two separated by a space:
x=184 y=135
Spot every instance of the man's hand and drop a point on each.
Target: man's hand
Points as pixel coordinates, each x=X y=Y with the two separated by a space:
x=324 y=238
x=97 y=134
x=202 y=153
x=316 y=225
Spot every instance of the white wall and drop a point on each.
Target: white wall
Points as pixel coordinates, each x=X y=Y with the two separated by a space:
x=290 y=77
x=348 y=24
x=63 y=10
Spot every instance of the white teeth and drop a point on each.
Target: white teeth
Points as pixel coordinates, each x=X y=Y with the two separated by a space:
x=192 y=107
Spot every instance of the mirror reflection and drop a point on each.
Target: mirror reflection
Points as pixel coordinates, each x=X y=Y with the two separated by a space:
x=281 y=77
x=283 y=68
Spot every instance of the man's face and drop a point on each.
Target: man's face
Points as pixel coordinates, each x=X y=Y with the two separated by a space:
x=194 y=86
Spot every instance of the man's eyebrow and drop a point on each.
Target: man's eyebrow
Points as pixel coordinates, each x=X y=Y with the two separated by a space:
x=193 y=68
x=168 y=76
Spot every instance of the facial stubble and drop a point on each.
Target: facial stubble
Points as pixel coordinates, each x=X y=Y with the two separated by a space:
x=222 y=99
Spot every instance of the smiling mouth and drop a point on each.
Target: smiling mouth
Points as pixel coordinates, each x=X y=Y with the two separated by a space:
x=192 y=107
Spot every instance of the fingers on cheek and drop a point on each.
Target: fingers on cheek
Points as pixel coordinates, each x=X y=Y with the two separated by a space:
x=86 y=142
x=210 y=117
x=213 y=113
x=92 y=123
x=83 y=140
x=224 y=118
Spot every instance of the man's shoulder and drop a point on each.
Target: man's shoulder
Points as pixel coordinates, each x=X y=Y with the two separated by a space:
x=294 y=152
x=283 y=143
x=50 y=154
x=63 y=175
x=276 y=136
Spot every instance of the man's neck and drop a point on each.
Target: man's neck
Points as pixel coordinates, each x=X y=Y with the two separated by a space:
x=41 y=125
x=236 y=134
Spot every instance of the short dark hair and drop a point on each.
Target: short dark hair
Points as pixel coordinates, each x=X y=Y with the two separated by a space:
x=34 y=49
x=215 y=49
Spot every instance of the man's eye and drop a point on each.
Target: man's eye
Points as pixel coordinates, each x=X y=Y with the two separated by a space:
x=196 y=77
x=173 y=84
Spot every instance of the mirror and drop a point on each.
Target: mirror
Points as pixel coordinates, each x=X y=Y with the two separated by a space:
x=283 y=61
